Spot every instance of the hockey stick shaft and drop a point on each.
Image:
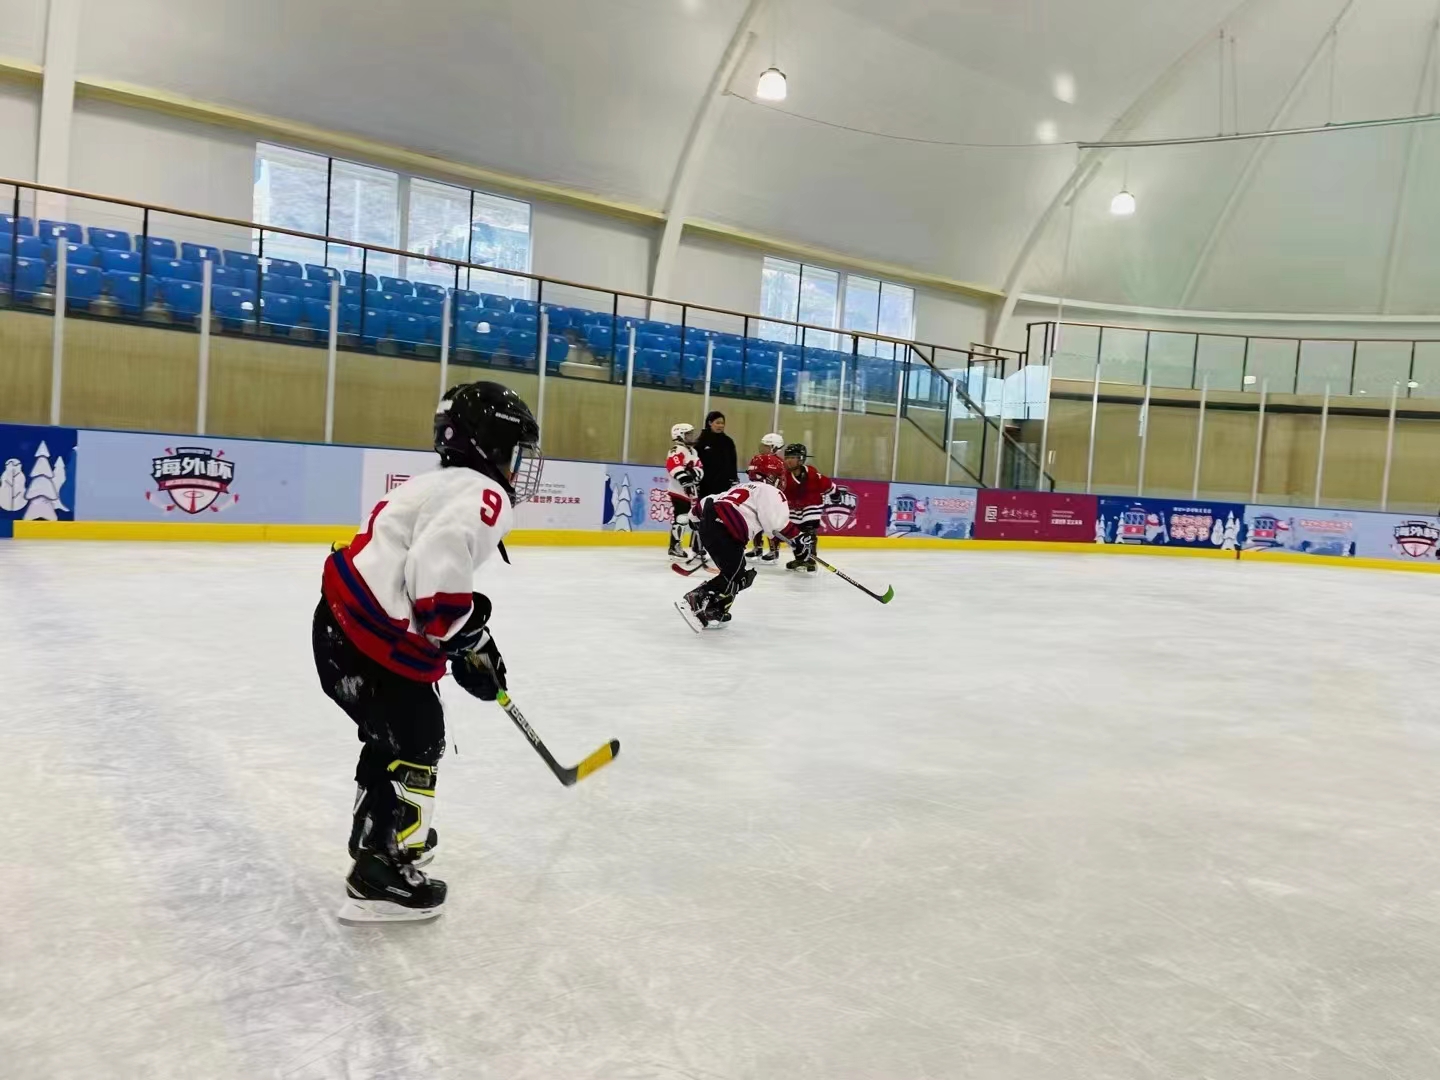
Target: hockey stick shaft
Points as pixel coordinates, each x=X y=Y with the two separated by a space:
x=884 y=598
x=566 y=775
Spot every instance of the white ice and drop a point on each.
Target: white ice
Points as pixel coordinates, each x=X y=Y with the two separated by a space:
x=1043 y=817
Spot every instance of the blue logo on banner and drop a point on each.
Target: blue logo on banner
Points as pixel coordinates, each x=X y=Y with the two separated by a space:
x=1218 y=526
x=37 y=473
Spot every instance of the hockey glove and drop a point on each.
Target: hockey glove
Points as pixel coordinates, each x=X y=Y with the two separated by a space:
x=481 y=672
x=473 y=632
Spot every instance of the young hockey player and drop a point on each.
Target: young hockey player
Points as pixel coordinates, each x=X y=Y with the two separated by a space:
x=806 y=489
x=397 y=606
x=727 y=523
x=770 y=446
x=683 y=465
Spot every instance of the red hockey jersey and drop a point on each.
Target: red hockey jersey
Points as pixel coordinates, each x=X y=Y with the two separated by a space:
x=809 y=491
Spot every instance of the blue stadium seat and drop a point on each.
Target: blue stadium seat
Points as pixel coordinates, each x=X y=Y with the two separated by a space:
x=317 y=314
x=198 y=252
x=388 y=300
x=695 y=345
x=374 y=325
x=309 y=290
x=502 y=319
x=27 y=247
x=181 y=297
x=479 y=335
x=231 y=277
x=760 y=377
x=280 y=286
x=407 y=329
x=174 y=269
x=30 y=277
x=284 y=268
x=82 y=285
x=50 y=229
x=398 y=285
x=432 y=328
x=726 y=354
x=649 y=365
x=789 y=381
x=234 y=306
x=240 y=260
x=521 y=321
x=560 y=320
x=76 y=255
x=123 y=261
x=357 y=280
x=598 y=338
x=159 y=247
x=123 y=287
x=557 y=349
x=465 y=299
x=495 y=302
x=651 y=341
x=431 y=292
x=692 y=368
x=350 y=294
x=279 y=309
x=522 y=346
x=727 y=373
x=7 y=225
x=427 y=307
x=350 y=318
x=109 y=239
x=524 y=307
x=316 y=272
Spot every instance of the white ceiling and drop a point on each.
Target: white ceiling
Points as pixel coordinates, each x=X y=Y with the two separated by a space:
x=599 y=95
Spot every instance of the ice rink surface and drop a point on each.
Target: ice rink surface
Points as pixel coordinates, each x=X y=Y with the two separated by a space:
x=1043 y=817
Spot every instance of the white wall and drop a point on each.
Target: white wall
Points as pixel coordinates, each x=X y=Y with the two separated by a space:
x=19 y=127
x=719 y=274
x=151 y=158
x=591 y=249
x=948 y=319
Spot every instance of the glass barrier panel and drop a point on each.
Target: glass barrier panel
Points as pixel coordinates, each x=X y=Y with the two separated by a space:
x=1287 y=467
x=1326 y=363
x=1227 y=461
x=1122 y=355
x=1076 y=350
x=1272 y=360
x=1355 y=454
x=1219 y=362
x=1425 y=372
x=1381 y=366
x=1414 y=480
x=1171 y=428
x=1172 y=359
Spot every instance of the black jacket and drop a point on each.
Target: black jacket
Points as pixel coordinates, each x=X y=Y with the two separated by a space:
x=717 y=456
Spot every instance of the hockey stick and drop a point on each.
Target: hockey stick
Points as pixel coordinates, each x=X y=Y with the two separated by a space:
x=888 y=595
x=566 y=776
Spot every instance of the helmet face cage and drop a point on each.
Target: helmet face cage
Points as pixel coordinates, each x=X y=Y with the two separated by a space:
x=527 y=464
x=797 y=450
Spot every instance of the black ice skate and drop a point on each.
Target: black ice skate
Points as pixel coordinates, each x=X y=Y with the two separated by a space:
x=383 y=889
x=753 y=553
x=773 y=555
x=692 y=608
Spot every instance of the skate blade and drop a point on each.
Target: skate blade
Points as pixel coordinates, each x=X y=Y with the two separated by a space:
x=367 y=912
x=689 y=616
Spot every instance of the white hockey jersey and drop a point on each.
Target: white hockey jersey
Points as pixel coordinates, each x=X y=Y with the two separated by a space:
x=683 y=459
x=404 y=584
x=751 y=509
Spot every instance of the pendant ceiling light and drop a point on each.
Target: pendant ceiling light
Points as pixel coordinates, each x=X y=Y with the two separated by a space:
x=771 y=86
x=1123 y=204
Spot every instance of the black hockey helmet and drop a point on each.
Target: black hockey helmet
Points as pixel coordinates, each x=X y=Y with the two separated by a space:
x=488 y=427
x=797 y=450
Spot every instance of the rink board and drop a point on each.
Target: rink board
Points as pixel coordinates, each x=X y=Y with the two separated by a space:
x=328 y=534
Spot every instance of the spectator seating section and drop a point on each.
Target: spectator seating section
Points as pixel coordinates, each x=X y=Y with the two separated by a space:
x=137 y=271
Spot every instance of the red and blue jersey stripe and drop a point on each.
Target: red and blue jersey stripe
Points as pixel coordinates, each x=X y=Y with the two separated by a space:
x=389 y=641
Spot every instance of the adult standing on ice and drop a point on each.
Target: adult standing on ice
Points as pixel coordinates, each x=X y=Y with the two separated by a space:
x=397 y=607
x=718 y=457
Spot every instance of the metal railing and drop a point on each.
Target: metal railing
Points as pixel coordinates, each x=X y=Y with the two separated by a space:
x=1350 y=367
x=84 y=256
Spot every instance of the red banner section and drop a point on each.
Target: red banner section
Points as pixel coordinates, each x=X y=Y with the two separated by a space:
x=859 y=508
x=1036 y=515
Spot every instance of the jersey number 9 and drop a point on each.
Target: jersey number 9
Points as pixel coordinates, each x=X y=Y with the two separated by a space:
x=490 y=510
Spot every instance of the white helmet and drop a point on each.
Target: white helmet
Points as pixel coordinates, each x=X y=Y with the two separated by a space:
x=682 y=431
x=774 y=441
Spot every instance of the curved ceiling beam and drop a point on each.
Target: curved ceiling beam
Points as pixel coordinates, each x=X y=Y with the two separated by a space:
x=697 y=144
x=1088 y=165
x=1257 y=156
x=1412 y=153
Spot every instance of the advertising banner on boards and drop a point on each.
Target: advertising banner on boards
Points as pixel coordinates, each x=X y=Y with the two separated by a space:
x=136 y=476
x=635 y=498
x=1300 y=529
x=37 y=474
x=1219 y=526
x=945 y=513
x=1035 y=515
x=857 y=508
